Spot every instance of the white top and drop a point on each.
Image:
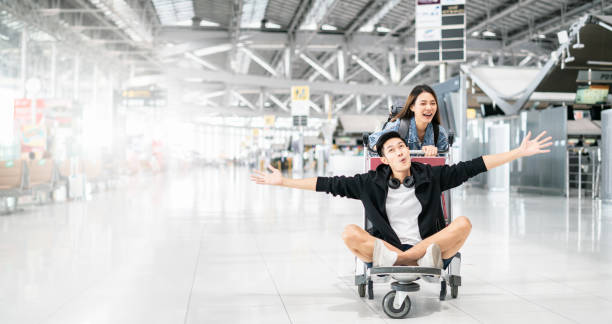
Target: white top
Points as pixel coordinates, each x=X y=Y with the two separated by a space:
x=403 y=209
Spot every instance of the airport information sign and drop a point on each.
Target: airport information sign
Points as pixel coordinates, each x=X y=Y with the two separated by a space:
x=440 y=31
x=300 y=105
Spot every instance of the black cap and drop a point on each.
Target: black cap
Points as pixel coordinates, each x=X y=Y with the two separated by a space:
x=385 y=137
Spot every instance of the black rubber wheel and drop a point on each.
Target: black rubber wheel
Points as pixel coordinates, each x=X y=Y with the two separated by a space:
x=370 y=289
x=454 y=291
x=443 y=290
x=361 y=288
x=393 y=312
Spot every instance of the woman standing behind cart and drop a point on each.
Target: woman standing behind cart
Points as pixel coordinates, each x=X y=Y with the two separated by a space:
x=420 y=113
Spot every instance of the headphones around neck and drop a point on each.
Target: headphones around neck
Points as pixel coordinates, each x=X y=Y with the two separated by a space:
x=394 y=183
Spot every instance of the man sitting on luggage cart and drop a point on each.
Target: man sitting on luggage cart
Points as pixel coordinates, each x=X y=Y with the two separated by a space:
x=402 y=201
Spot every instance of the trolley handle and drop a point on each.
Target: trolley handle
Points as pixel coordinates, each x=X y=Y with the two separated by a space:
x=366 y=143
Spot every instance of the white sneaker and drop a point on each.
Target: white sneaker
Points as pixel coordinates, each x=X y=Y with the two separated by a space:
x=432 y=257
x=383 y=257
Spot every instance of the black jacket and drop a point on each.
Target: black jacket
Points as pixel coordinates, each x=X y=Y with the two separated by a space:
x=371 y=188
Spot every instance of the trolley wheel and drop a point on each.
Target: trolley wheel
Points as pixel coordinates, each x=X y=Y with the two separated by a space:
x=361 y=288
x=443 y=290
x=454 y=291
x=370 y=289
x=393 y=312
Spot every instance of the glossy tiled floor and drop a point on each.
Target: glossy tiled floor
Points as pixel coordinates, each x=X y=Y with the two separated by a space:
x=208 y=246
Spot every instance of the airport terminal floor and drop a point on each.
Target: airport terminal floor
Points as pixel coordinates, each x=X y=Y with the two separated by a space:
x=208 y=246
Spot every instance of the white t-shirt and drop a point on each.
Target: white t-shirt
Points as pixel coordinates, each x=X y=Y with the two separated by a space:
x=403 y=209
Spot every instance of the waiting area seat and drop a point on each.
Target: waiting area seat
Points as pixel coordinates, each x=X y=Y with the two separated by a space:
x=12 y=178
x=41 y=175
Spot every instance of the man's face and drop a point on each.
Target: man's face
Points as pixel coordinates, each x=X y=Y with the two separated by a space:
x=396 y=154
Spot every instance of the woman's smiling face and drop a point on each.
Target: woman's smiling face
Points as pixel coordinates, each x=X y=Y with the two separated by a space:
x=424 y=108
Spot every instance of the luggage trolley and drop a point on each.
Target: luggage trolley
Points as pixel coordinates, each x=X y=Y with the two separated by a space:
x=396 y=303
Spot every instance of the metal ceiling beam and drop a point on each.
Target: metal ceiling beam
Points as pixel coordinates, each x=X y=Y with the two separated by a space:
x=326 y=64
x=483 y=21
x=278 y=83
x=374 y=104
x=259 y=60
x=202 y=62
x=417 y=69
x=243 y=99
x=388 y=6
x=28 y=11
x=369 y=10
x=314 y=106
x=343 y=103
x=315 y=65
x=213 y=50
x=194 y=46
x=394 y=71
x=373 y=71
x=57 y=11
x=277 y=101
x=105 y=22
x=298 y=17
x=341 y=65
x=557 y=23
x=361 y=43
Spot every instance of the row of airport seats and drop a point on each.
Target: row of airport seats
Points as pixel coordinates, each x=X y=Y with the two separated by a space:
x=20 y=178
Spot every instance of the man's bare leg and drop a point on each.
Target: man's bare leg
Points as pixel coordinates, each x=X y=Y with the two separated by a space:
x=361 y=243
x=450 y=240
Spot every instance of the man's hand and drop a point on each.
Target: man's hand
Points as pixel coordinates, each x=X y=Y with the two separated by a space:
x=430 y=150
x=528 y=147
x=274 y=178
x=535 y=146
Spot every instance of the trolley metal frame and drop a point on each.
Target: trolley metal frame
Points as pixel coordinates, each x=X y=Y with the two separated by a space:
x=396 y=303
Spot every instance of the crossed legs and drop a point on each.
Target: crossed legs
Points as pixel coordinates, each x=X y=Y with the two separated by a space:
x=450 y=240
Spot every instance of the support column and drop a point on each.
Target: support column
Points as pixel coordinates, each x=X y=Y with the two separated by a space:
x=442 y=72
x=341 y=65
x=53 y=92
x=24 y=60
x=75 y=79
x=606 y=153
x=287 y=61
x=95 y=84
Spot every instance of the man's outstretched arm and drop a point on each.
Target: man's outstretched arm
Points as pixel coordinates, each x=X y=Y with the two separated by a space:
x=276 y=178
x=528 y=147
x=452 y=176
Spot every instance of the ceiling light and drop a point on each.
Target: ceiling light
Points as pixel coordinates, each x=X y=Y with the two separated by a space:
x=382 y=29
x=599 y=63
x=541 y=36
x=272 y=25
x=488 y=33
x=475 y=34
x=206 y=23
x=328 y=27
x=604 y=25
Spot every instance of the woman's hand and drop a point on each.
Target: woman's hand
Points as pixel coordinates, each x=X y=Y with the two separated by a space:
x=430 y=150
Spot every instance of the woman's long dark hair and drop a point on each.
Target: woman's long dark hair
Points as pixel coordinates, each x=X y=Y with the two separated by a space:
x=407 y=114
